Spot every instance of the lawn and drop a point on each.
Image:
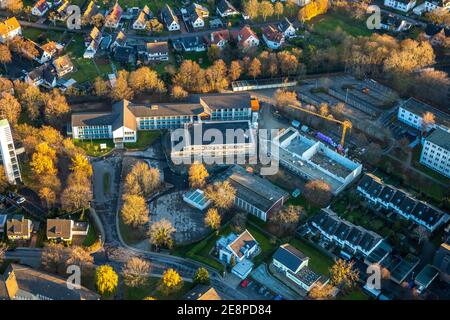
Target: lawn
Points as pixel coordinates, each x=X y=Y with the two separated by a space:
x=92 y=147
x=151 y=289
x=355 y=294
x=144 y=139
x=41 y=36
x=200 y=57
x=130 y=235
x=318 y=261
x=330 y=21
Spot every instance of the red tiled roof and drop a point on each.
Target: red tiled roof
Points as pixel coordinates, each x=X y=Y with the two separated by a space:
x=272 y=34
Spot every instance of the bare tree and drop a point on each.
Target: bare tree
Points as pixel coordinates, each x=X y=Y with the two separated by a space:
x=136 y=272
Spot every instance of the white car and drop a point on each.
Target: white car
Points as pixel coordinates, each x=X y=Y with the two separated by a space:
x=20 y=200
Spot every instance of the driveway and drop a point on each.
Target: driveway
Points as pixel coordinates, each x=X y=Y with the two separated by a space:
x=262 y=275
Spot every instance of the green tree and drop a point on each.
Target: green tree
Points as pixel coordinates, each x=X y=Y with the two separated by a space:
x=201 y=276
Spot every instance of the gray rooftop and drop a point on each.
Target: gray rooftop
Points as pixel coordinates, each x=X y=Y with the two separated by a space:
x=229 y=132
x=418 y=107
x=255 y=190
x=226 y=101
x=440 y=138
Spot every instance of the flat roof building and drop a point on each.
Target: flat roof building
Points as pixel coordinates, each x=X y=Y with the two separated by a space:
x=313 y=160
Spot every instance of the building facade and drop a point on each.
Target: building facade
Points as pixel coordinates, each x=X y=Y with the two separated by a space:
x=436 y=151
x=8 y=153
x=401 y=5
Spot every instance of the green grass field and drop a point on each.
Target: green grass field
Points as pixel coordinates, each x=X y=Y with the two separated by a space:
x=144 y=139
x=318 y=261
x=92 y=148
x=332 y=20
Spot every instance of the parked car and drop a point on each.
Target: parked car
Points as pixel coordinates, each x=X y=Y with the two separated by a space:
x=19 y=199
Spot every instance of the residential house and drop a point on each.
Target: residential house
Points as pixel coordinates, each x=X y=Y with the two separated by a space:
x=273 y=38
x=226 y=9
x=144 y=16
x=119 y=41
x=65 y=229
x=19 y=228
x=61 y=11
x=388 y=197
x=40 y=8
x=237 y=251
x=440 y=38
x=351 y=238
x=287 y=28
x=113 y=18
x=63 y=65
x=401 y=5
x=156 y=51
x=47 y=51
x=202 y=292
x=170 y=19
x=23 y=283
x=9 y=29
x=247 y=38
x=196 y=20
x=92 y=43
x=291 y=262
x=59 y=229
x=219 y=38
x=193 y=44
x=196 y=15
x=44 y=75
x=91 y=10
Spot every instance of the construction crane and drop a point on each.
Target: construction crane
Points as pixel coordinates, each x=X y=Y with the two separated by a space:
x=346 y=124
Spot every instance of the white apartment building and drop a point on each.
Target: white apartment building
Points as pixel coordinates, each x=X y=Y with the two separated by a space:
x=436 y=151
x=411 y=112
x=8 y=153
x=401 y=5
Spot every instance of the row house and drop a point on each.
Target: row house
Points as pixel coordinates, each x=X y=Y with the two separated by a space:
x=390 y=198
x=351 y=238
x=401 y=5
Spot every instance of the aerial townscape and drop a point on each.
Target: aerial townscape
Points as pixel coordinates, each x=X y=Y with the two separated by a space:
x=225 y=150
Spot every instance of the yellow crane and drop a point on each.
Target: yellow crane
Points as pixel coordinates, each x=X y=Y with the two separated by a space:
x=346 y=124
